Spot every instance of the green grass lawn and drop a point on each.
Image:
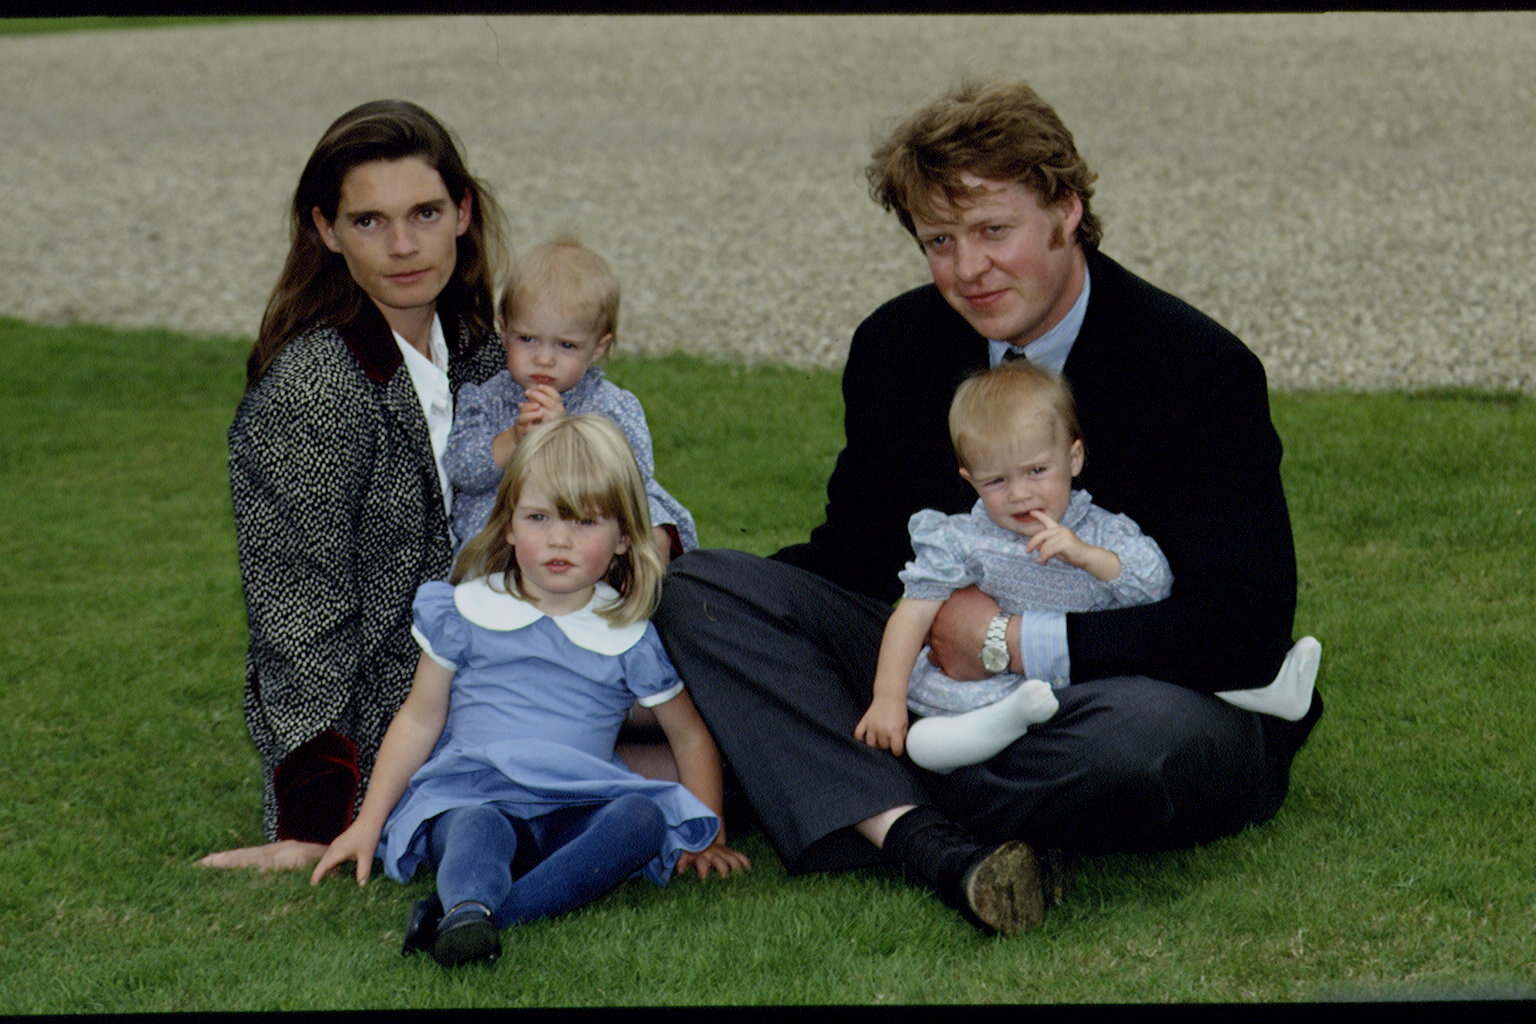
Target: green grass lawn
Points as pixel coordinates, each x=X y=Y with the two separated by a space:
x=1400 y=867
x=13 y=26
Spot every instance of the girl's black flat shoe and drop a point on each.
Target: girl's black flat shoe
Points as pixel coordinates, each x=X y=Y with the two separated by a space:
x=467 y=935
x=421 y=926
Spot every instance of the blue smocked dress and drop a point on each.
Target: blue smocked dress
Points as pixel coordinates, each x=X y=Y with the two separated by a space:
x=957 y=551
x=534 y=711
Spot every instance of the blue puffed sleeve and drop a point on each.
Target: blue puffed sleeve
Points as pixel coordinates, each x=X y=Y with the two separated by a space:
x=648 y=672
x=437 y=625
x=939 y=567
x=1144 y=573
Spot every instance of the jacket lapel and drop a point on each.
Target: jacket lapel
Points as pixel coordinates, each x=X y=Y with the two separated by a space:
x=371 y=342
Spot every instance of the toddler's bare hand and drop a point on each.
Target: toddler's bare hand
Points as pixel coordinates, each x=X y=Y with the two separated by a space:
x=883 y=726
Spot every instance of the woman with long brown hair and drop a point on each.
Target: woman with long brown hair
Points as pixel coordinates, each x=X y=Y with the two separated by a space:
x=383 y=310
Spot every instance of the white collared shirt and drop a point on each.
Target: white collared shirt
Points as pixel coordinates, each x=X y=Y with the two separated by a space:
x=430 y=376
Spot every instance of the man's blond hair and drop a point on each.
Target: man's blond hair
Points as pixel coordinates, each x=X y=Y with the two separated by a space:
x=999 y=130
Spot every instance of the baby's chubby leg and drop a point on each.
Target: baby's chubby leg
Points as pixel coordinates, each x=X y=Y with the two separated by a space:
x=1290 y=695
x=942 y=743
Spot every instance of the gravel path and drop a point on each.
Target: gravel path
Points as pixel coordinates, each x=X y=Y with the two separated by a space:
x=1351 y=193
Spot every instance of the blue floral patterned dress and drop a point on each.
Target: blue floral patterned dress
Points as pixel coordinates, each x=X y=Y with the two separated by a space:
x=956 y=551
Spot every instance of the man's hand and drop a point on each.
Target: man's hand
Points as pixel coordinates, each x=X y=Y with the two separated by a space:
x=957 y=633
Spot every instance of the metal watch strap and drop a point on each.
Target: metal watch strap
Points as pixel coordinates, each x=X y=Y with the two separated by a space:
x=994 y=648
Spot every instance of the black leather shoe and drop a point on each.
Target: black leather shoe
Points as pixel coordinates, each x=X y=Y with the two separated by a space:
x=421 y=926
x=467 y=935
x=1005 y=888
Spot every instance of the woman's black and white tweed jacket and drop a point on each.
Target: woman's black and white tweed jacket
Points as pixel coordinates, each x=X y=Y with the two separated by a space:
x=339 y=518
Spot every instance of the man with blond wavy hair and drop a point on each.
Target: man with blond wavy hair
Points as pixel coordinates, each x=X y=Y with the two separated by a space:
x=780 y=653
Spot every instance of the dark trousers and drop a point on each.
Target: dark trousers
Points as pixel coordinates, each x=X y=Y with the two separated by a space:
x=780 y=663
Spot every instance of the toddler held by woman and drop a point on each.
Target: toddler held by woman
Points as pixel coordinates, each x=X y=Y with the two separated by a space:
x=558 y=316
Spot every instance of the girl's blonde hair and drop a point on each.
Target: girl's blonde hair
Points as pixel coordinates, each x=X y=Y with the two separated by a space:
x=585 y=466
x=989 y=407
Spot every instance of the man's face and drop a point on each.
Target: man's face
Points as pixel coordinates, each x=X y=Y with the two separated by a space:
x=1009 y=265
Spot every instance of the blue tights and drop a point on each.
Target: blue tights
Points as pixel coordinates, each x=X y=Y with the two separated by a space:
x=528 y=868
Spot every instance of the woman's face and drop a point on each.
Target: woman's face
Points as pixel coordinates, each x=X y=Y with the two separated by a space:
x=397 y=229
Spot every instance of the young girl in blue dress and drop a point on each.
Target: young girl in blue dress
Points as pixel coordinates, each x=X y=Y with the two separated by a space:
x=499 y=770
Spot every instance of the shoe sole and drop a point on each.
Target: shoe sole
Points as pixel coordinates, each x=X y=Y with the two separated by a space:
x=469 y=942
x=1058 y=874
x=1005 y=890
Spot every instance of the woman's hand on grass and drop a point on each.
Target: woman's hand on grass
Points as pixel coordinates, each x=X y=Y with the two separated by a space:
x=283 y=855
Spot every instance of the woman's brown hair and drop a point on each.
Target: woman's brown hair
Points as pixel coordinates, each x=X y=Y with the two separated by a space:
x=314 y=284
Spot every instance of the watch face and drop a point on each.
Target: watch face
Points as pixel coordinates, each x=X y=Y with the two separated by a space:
x=994 y=660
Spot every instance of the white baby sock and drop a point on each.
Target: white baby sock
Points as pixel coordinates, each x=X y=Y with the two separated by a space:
x=942 y=743
x=1290 y=695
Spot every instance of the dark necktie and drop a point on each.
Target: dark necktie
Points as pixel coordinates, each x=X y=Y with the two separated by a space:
x=1011 y=354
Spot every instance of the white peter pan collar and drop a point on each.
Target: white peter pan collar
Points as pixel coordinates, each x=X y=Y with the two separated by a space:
x=483 y=602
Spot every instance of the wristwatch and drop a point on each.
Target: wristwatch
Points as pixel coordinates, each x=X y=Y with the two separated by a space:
x=994 y=649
